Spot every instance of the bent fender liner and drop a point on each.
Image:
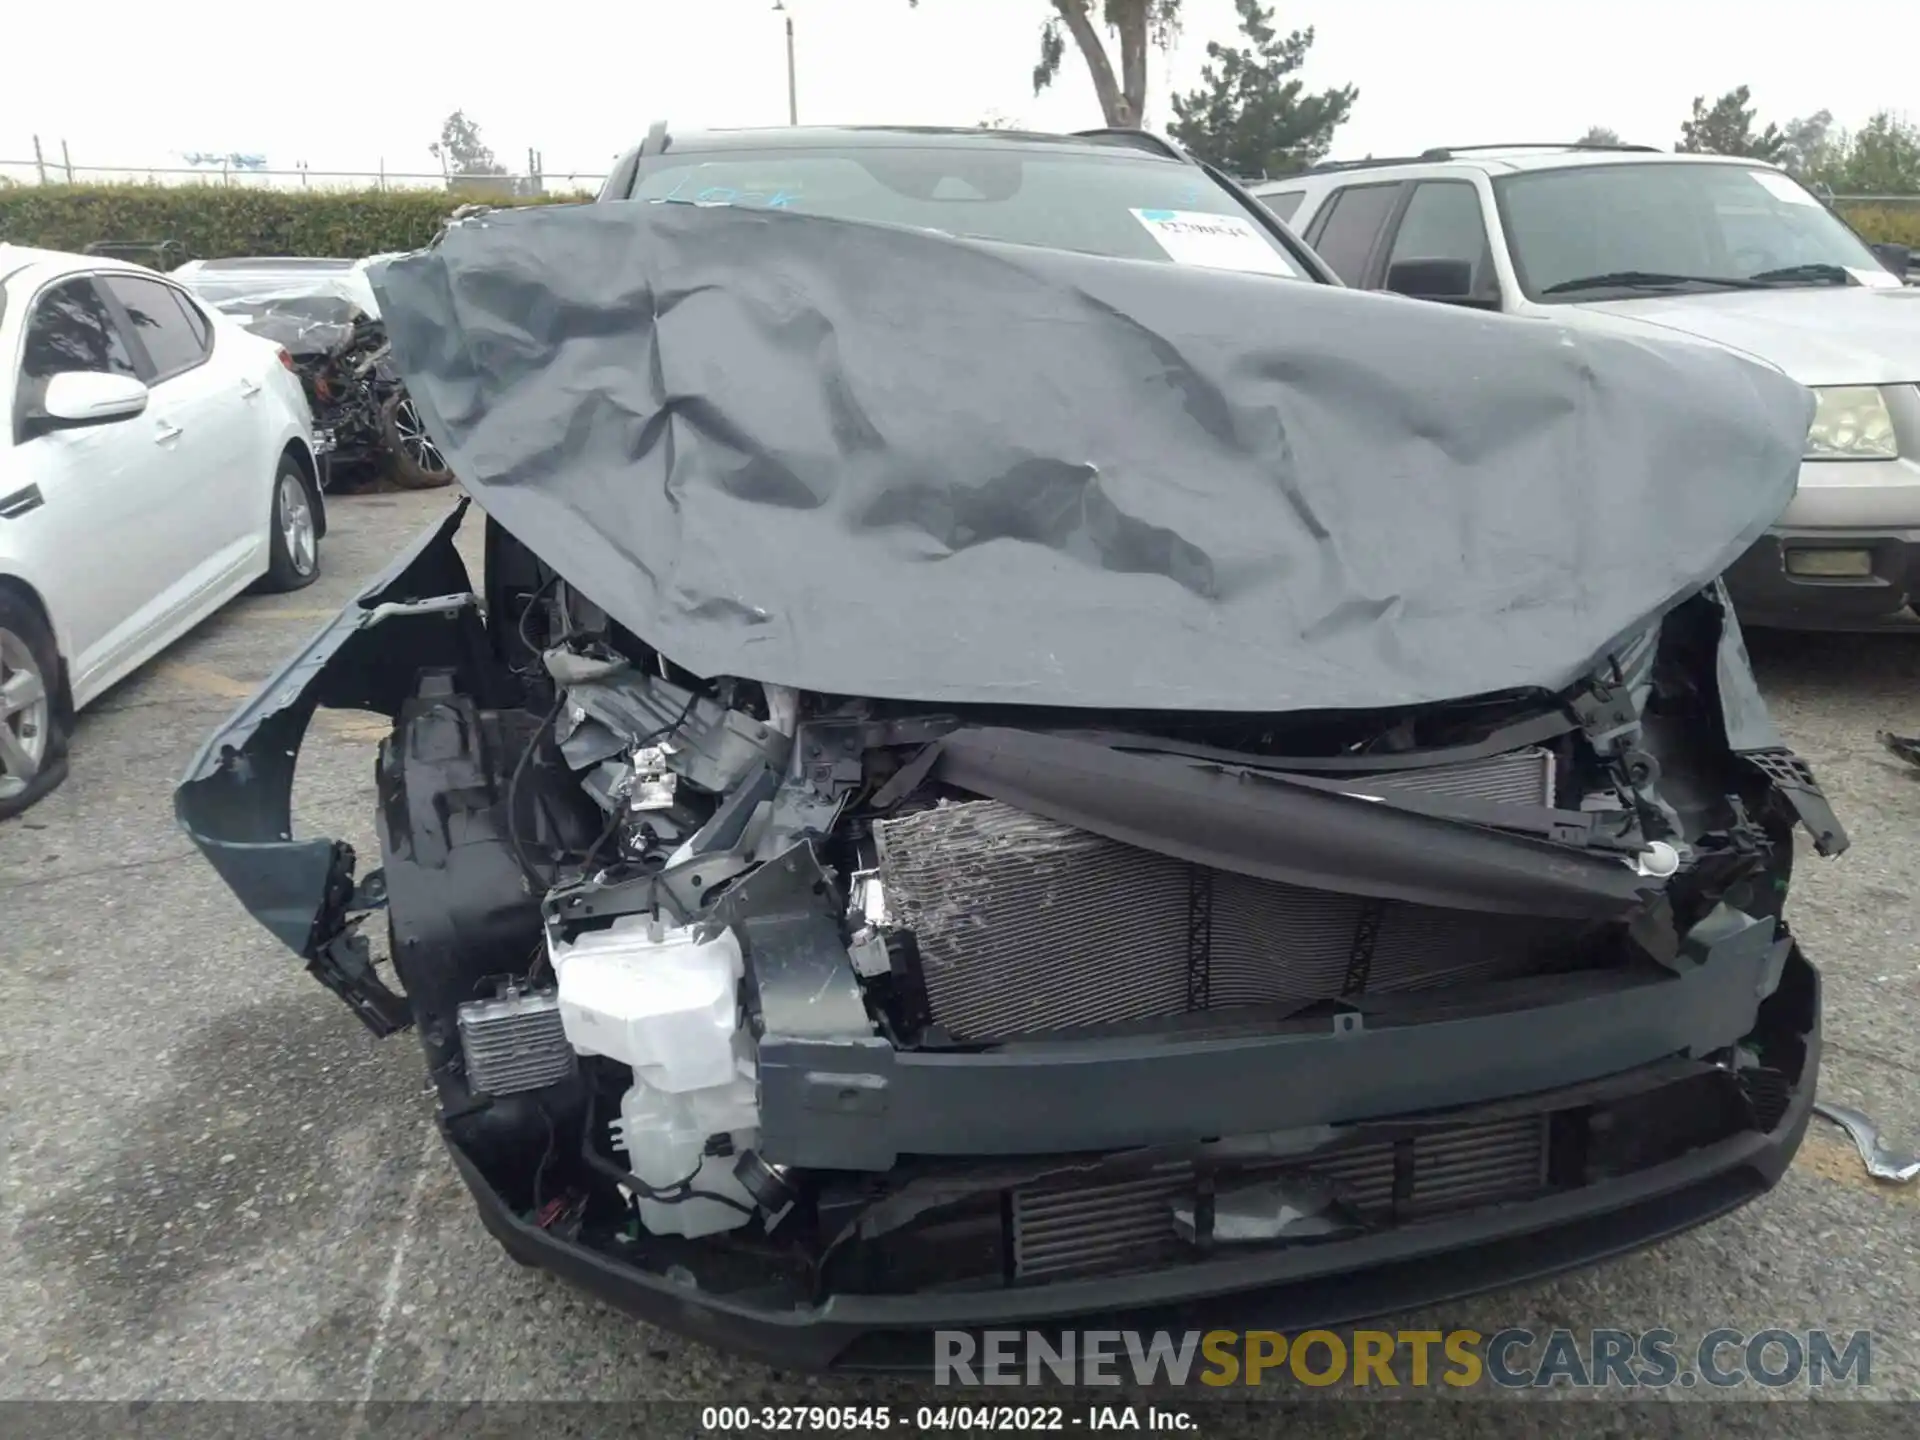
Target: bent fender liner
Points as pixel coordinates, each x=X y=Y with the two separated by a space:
x=235 y=800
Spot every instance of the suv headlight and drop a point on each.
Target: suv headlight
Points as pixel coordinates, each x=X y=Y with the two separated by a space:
x=1851 y=422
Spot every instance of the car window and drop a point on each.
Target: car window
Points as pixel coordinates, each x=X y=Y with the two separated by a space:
x=1119 y=203
x=175 y=341
x=1443 y=221
x=72 y=329
x=1684 y=218
x=1350 y=226
x=1286 y=206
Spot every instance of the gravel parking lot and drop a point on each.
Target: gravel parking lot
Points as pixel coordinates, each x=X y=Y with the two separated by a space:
x=218 y=1185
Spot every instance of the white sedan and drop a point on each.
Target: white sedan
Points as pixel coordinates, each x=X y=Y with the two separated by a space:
x=155 y=461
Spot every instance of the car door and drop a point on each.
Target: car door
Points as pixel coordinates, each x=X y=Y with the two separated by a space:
x=1347 y=231
x=203 y=404
x=84 y=499
x=1439 y=248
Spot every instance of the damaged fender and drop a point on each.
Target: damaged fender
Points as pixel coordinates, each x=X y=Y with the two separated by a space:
x=235 y=801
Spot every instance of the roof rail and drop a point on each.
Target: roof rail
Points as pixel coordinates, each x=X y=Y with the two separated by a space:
x=1134 y=139
x=1447 y=152
x=1323 y=166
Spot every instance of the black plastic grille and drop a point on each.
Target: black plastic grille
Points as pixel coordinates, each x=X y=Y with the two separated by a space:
x=1063 y=1231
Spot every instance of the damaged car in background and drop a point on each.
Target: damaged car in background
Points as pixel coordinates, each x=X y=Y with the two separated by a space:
x=324 y=314
x=987 y=783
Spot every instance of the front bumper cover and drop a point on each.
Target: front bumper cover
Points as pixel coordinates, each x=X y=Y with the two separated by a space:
x=1766 y=593
x=1279 y=1289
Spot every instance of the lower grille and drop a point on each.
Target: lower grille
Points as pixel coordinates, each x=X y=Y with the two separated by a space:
x=1063 y=1231
x=1024 y=924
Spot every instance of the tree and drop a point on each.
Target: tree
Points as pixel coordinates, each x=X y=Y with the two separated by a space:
x=1134 y=26
x=1881 y=158
x=1599 y=135
x=1726 y=128
x=1248 y=117
x=460 y=150
x=1806 y=145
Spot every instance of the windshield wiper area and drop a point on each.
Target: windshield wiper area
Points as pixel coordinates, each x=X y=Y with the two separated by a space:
x=1650 y=280
x=1819 y=272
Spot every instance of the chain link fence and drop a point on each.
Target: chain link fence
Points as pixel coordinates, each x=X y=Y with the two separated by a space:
x=49 y=171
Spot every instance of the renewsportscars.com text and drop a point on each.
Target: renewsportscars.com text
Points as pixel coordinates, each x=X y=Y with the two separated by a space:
x=1412 y=1359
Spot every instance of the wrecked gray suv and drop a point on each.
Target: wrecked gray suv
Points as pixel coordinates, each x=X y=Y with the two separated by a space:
x=1011 y=762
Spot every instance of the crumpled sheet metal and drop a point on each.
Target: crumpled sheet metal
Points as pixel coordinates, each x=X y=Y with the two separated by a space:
x=1882 y=1163
x=877 y=461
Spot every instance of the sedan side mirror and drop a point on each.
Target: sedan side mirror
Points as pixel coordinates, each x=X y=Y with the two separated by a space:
x=1895 y=257
x=83 y=397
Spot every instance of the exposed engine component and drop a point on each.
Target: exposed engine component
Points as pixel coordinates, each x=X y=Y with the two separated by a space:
x=666 y=1004
x=514 y=1043
x=1024 y=924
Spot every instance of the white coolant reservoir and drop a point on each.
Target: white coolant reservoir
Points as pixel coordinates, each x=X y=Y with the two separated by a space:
x=655 y=998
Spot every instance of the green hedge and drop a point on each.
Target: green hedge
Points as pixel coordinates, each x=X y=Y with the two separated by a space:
x=1899 y=224
x=210 y=222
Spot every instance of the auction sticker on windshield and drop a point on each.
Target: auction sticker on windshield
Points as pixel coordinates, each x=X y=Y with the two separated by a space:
x=1782 y=188
x=1219 y=242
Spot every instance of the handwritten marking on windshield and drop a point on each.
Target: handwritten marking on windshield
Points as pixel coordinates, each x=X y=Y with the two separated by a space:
x=780 y=199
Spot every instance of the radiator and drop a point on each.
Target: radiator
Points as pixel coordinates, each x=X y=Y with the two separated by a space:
x=1064 y=1231
x=1026 y=925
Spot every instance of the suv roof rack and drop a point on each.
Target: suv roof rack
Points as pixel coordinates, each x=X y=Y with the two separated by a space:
x=1448 y=152
x=1444 y=152
x=1134 y=139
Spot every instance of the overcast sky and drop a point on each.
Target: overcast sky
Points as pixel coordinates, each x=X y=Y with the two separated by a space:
x=353 y=83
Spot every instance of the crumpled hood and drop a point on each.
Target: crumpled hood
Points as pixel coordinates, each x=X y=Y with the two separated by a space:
x=1826 y=335
x=877 y=461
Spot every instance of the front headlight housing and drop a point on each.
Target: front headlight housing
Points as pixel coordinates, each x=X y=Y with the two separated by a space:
x=1851 y=422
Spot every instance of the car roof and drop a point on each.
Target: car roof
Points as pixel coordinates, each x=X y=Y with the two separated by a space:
x=16 y=260
x=878 y=137
x=1499 y=160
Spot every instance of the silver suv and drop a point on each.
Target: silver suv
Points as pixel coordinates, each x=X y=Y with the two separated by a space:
x=1725 y=251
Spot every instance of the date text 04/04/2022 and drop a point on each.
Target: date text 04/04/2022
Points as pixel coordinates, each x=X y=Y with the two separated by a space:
x=815 y=1419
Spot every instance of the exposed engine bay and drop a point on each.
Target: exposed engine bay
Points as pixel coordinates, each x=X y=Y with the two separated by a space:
x=1311 y=829
x=622 y=900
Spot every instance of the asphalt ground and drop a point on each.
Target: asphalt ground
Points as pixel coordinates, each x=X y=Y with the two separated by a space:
x=218 y=1186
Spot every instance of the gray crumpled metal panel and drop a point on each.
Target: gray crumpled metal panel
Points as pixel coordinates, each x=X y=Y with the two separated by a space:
x=867 y=460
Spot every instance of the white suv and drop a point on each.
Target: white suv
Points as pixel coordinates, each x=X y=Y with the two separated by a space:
x=1726 y=251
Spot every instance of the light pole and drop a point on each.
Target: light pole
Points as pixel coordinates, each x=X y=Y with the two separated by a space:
x=793 y=103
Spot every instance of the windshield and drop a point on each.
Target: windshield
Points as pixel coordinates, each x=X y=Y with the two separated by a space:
x=1128 y=205
x=1710 y=221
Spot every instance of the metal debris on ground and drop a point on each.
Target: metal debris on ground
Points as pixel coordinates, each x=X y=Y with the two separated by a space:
x=1882 y=1164
x=1906 y=747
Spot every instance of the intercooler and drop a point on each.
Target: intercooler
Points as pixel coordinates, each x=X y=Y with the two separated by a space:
x=1026 y=925
x=1063 y=1231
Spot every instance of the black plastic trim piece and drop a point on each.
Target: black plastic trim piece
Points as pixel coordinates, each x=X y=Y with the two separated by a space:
x=1293 y=830
x=859 y=1104
x=13 y=506
x=1290 y=1289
